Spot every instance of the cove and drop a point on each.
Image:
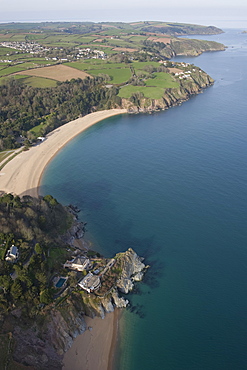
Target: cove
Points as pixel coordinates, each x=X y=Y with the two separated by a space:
x=172 y=186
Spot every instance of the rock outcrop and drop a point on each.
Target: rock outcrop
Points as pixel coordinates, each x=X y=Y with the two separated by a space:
x=132 y=266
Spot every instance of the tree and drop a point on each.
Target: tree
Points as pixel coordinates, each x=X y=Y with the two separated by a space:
x=41 y=277
x=49 y=199
x=5 y=282
x=16 y=290
x=38 y=249
x=45 y=296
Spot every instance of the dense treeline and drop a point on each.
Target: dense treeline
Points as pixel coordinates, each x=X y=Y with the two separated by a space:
x=34 y=226
x=23 y=107
x=33 y=219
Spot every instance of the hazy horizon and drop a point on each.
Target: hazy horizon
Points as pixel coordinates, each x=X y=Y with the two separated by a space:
x=217 y=13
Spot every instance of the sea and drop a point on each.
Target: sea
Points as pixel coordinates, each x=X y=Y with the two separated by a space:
x=173 y=186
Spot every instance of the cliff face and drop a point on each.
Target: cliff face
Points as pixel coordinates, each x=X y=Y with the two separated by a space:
x=42 y=344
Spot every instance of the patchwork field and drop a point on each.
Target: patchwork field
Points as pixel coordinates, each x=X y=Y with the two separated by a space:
x=148 y=92
x=58 y=72
x=30 y=52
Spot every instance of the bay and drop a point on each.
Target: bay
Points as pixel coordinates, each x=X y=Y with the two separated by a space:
x=172 y=186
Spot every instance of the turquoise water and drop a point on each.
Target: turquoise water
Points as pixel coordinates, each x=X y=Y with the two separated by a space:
x=172 y=185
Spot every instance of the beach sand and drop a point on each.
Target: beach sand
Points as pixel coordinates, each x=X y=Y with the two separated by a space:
x=21 y=176
x=95 y=348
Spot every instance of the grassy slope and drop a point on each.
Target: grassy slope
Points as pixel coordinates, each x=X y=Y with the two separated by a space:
x=148 y=92
x=117 y=75
x=161 y=79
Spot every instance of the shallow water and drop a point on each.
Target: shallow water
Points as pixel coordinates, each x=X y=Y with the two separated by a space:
x=172 y=185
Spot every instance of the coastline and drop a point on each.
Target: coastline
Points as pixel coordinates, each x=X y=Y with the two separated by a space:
x=95 y=348
x=22 y=175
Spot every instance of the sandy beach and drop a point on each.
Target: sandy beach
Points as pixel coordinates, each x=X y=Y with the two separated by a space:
x=22 y=174
x=94 y=349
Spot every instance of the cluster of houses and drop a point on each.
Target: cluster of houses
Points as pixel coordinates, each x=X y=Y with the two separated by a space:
x=92 y=281
x=183 y=75
x=25 y=47
x=89 y=53
x=35 y=48
x=81 y=54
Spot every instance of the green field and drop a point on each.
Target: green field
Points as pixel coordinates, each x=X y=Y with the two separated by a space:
x=138 y=38
x=39 y=81
x=161 y=79
x=148 y=92
x=31 y=80
x=19 y=56
x=140 y=65
x=89 y=65
x=119 y=72
x=118 y=76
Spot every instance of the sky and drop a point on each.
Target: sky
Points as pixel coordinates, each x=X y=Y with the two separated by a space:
x=221 y=13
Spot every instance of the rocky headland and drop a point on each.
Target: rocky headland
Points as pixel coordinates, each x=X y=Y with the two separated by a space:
x=193 y=83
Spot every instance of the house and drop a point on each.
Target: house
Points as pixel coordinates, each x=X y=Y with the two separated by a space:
x=12 y=254
x=78 y=263
x=90 y=282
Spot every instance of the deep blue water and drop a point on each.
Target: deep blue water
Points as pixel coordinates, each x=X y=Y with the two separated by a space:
x=172 y=185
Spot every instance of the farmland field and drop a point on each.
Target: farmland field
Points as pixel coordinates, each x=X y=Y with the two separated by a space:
x=161 y=79
x=118 y=76
x=38 y=81
x=58 y=72
x=99 y=64
x=16 y=68
x=148 y=92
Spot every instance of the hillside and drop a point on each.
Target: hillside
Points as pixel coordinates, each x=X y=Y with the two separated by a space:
x=24 y=47
x=88 y=27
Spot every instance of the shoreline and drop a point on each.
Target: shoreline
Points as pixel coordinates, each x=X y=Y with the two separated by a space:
x=22 y=175
x=94 y=348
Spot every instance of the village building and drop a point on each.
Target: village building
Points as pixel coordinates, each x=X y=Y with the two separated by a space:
x=78 y=263
x=90 y=282
x=12 y=254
